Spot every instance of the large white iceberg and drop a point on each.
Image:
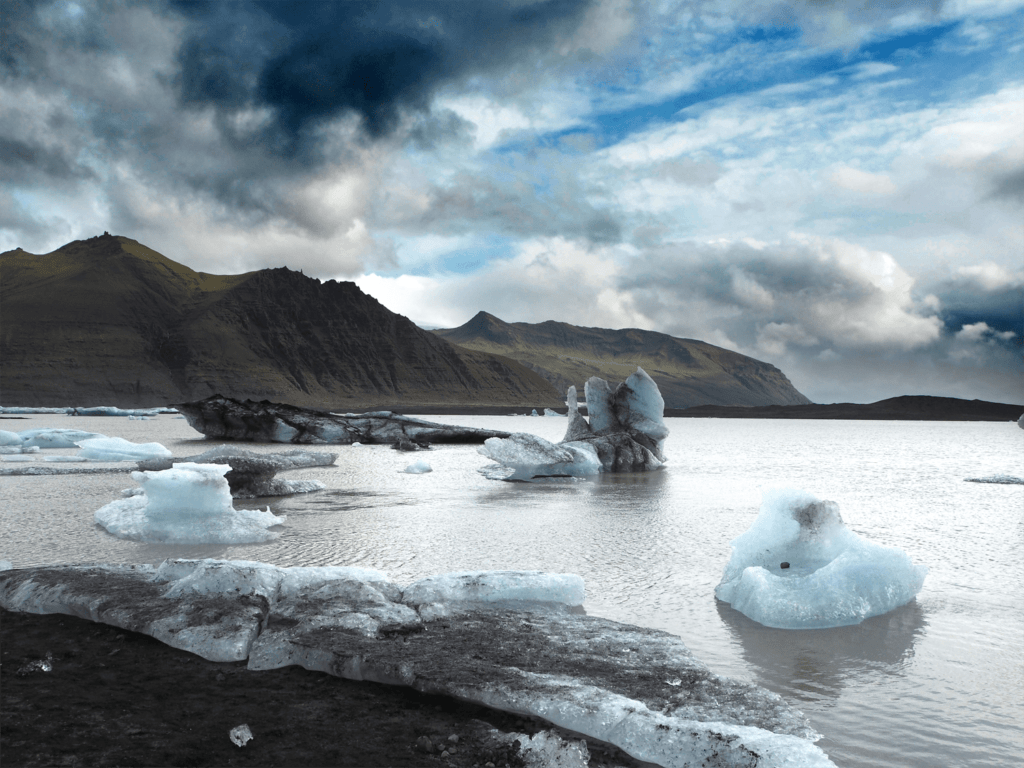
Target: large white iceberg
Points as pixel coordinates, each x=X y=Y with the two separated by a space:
x=800 y=567
x=187 y=504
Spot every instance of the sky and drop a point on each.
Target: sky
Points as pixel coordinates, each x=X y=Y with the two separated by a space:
x=833 y=188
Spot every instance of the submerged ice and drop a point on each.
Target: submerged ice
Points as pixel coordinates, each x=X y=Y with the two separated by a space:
x=799 y=567
x=187 y=504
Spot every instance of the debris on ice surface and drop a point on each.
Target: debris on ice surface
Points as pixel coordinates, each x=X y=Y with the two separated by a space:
x=57 y=438
x=546 y=749
x=497 y=587
x=119 y=449
x=419 y=467
x=532 y=456
x=188 y=504
x=997 y=479
x=240 y=734
x=800 y=567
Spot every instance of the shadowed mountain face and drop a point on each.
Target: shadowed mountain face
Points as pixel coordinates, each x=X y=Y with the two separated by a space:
x=687 y=372
x=108 y=320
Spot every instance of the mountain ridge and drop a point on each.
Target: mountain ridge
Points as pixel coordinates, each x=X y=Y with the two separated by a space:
x=109 y=319
x=688 y=372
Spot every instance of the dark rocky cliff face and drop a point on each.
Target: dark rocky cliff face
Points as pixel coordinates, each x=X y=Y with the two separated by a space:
x=688 y=372
x=110 y=321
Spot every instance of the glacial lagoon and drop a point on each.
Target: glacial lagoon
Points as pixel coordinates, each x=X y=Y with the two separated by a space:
x=939 y=681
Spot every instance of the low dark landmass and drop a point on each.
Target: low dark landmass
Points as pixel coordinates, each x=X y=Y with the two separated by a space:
x=688 y=372
x=906 y=408
x=120 y=698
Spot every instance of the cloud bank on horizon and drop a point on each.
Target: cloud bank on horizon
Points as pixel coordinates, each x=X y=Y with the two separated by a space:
x=834 y=188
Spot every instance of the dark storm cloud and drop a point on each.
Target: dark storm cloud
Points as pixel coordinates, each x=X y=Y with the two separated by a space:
x=311 y=62
x=1009 y=186
x=967 y=301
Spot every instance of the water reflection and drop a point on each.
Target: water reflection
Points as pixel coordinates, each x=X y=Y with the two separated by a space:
x=817 y=663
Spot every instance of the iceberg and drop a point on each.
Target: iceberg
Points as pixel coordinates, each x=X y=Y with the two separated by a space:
x=187 y=504
x=252 y=475
x=57 y=438
x=531 y=456
x=119 y=449
x=550 y=412
x=800 y=567
x=109 y=410
x=419 y=467
x=9 y=438
x=626 y=433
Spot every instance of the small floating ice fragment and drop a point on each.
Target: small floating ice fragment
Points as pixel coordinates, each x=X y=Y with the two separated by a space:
x=418 y=467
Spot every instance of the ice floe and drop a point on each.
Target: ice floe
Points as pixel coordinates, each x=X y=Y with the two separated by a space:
x=419 y=467
x=119 y=449
x=640 y=689
x=187 y=504
x=799 y=567
x=57 y=438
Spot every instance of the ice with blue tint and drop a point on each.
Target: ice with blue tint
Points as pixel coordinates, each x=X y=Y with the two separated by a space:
x=799 y=567
x=497 y=587
x=549 y=412
x=531 y=456
x=10 y=438
x=57 y=438
x=419 y=467
x=119 y=449
x=187 y=504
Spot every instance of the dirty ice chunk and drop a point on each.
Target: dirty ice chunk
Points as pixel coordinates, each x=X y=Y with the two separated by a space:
x=532 y=456
x=800 y=567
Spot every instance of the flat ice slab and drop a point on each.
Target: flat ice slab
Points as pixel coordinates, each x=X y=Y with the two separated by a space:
x=800 y=567
x=640 y=689
x=119 y=449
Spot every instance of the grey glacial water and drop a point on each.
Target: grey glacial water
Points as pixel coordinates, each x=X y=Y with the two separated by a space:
x=939 y=682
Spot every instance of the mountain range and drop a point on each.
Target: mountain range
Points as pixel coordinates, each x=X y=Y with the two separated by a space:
x=688 y=372
x=109 y=321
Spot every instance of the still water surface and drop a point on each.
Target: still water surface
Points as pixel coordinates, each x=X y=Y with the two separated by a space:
x=939 y=682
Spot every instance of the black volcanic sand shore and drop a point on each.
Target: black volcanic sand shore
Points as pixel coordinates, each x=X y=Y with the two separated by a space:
x=119 y=698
